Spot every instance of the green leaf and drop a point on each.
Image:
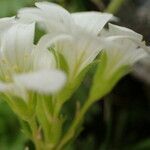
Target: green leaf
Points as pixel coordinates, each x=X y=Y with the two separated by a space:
x=9 y=8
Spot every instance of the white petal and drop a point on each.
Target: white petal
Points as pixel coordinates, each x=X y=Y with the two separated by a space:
x=88 y=48
x=123 y=47
x=30 y=15
x=49 y=39
x=6 y=23
x=91 y=21
x=122 y=51
x=18 y=42
x=139 y=54
x=43 y=59
x=53 y=16
x=56 y=14
x=57 y=11
x=123 y=42
x=44 y=81
x=80 y=52
x=123 y=31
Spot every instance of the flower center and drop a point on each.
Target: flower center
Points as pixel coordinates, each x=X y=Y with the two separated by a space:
x=8 y=68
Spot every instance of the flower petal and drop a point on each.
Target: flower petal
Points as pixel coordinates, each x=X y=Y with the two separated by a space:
x=49 y=39
x=123 y=51
x=56 y=14
x=30 y=15
x=115 y=30
x=44 y=81
x=17 y=42
x=53 y=16
x=5 y=23
x=79 y=52
x=91 y=21
x=43 y=59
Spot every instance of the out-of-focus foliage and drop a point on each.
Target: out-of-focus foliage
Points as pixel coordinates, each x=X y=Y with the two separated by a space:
x=9 y=7
x=10 y=135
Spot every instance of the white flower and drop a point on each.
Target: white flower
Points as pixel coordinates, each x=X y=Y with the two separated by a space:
x=92 y=22
x=52 y=16
x=6 y=23
x=123 y=47
x=82 y=44
x=23 y=66
x=42 y=81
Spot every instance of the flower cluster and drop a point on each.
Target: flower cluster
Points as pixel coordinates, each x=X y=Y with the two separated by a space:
x=23 y=65
x=78 y=37
x=38 y=77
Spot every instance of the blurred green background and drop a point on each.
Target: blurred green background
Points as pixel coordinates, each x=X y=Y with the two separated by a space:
x=121 y=121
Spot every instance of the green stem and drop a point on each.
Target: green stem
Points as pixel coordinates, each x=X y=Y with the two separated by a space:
x=58 y=106
x=114 y=6
x=78 y=119
x=35 y=134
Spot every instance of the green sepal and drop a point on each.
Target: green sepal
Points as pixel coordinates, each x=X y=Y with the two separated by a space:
x=31 y=104
x=72 y=86
x=26 y=129
x=19 y=107
x=103 y=82
x=50 y=125
x=42 y=117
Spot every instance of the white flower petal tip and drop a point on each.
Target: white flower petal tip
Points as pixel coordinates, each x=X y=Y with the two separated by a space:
x=7 y=20
x=6 y=23
x=29 y=15
x=45 y=5
x=49 y=8
x=92 y=21
x=115 y=19
x=51 y=16
x=123 y=46
x=49 y=39
x=115 y=30
x=44 y=81
x=55 y=18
